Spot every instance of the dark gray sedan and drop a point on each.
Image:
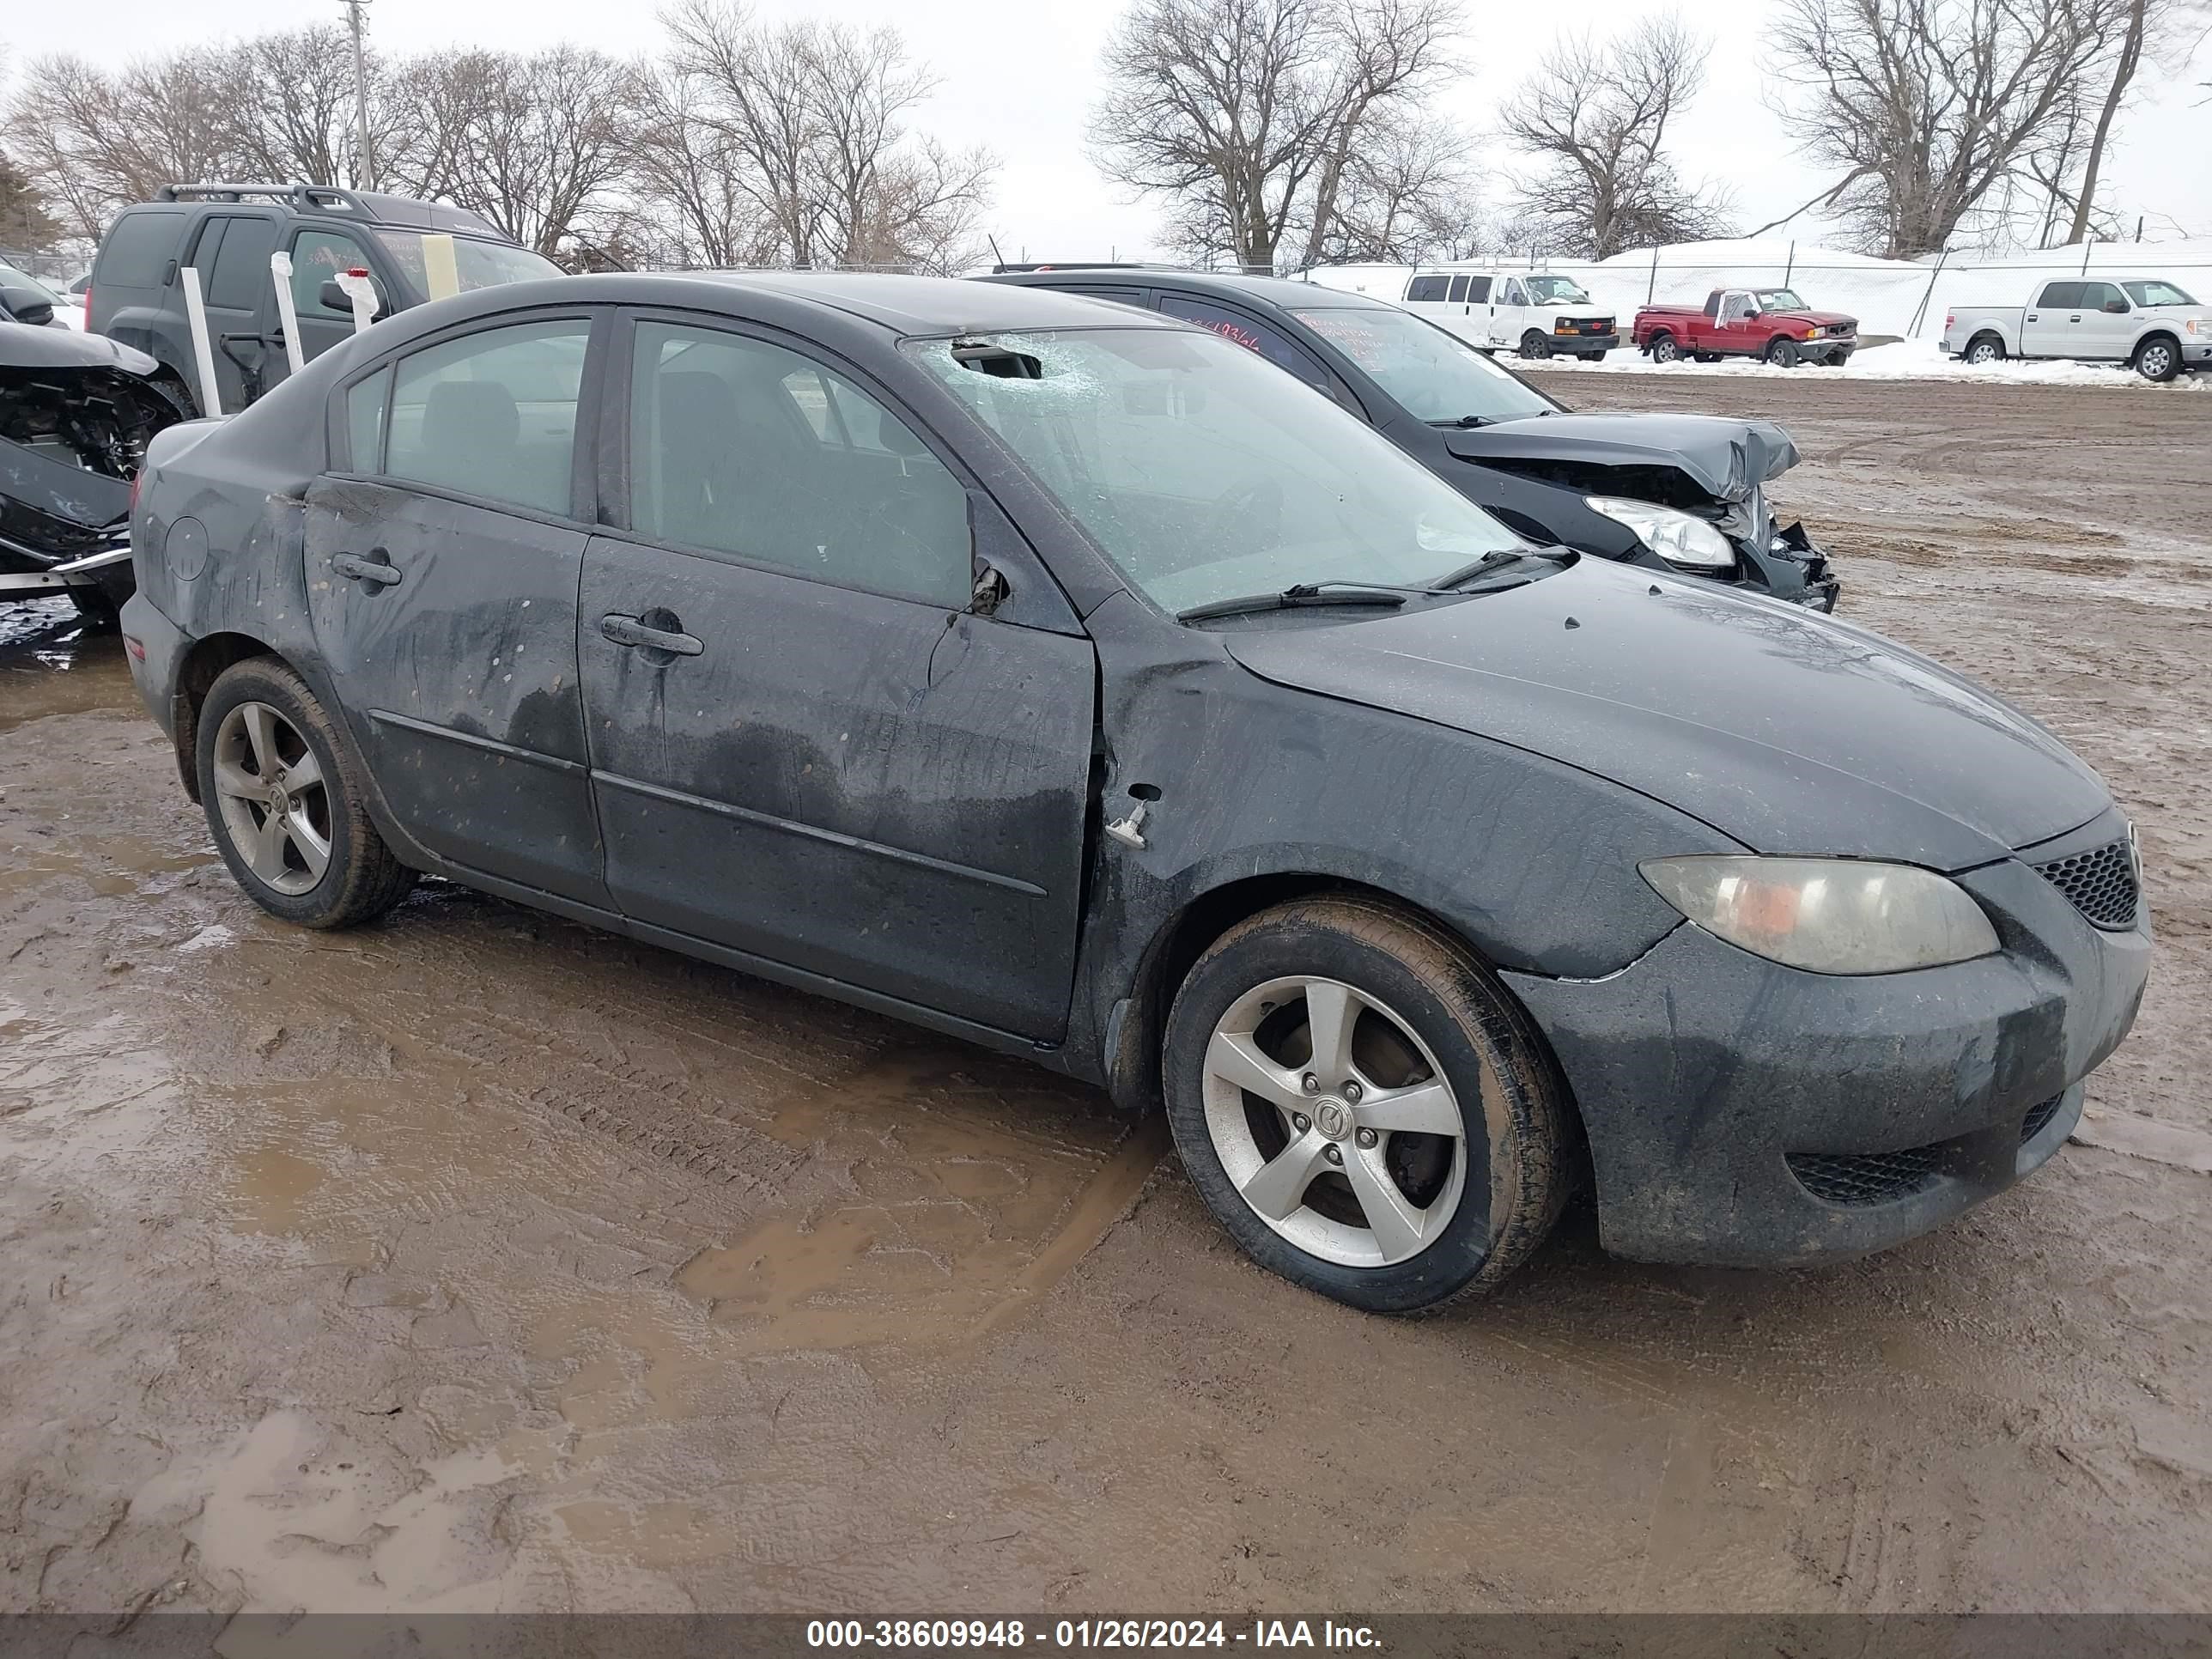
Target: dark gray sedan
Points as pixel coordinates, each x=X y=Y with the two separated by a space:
x=1071 y=681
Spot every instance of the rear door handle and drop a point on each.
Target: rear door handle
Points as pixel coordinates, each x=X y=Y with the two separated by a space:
x=353 y=568
x=630 y=631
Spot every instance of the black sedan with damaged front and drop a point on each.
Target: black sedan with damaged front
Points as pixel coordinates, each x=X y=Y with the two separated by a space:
x=77 y=411
x=1672 y=492
x=1040 y=673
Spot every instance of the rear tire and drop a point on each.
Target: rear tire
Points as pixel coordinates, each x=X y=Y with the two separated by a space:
x=1311 y=1154
x=1664 y=350
x=2158 y=359
x=1982 y=350
x=316 y=859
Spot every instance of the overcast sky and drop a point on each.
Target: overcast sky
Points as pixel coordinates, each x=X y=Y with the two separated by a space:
x=1020 y=76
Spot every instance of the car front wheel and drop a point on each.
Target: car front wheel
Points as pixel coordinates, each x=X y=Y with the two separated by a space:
x=1783 y=354
x=287 y=805
x=2158 y=359
x=1535 y=345
x=1364 y=1106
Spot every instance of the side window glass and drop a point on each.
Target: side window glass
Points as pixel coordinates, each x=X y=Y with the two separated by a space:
x=1253 y=334
x=365 y=405
x=2095 y=296
x=741 y=446
x=317 y=257
x=1426 y=288
x=492 y=413
x=1478 y=290
x=2061 y=295
x=241 y=280
x=1512 y=296
x=1458 y=290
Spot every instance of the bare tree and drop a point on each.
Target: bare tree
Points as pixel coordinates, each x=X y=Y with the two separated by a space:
x=805 y=126
x=1251 y=117
x=1927 y=105
x=1408 y=196
x=1595 y=119
x=89 y=140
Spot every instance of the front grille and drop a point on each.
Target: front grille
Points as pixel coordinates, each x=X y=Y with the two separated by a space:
x=2039 y=1118
x=1864 y=1177
x=2100 y=883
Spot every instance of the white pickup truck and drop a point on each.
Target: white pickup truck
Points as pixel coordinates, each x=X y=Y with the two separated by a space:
x=2147 y=322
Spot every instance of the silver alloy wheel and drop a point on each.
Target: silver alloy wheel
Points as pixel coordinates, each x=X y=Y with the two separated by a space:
x=1983 y=351
x=2156 y=361
x=1310 y=1137
x=274 y=800
x=1664 y=350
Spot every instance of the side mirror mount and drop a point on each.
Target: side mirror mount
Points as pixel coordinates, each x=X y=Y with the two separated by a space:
x=26 y=305
x=335 y=298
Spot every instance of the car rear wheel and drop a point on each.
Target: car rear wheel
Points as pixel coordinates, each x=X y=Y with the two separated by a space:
x=1664 y=350
x=1536 y=345
x=1783 y=354
x=1364 y=1106
x=2158 y=359
x=1986 y=350
x=285 y=801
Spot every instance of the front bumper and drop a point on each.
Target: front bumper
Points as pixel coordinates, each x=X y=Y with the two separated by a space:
x=1715 y=1086
x=2196 y=356
x=1582 y=345
x=1819 y=352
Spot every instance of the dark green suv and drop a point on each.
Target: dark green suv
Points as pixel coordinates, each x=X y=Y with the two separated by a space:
x=413 y=251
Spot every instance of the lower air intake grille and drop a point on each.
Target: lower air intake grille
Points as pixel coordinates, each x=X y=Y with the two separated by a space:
x=2100 y=883
x=1864 y=1177
x=2039 y=1118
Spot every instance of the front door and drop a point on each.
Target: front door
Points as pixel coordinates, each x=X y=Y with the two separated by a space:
x=1509 y=317
x=2102 y=333
x=442 y=583
x=804 y=745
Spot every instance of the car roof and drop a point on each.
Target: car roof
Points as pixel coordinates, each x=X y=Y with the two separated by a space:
x=1271 y=290
x=926 y=305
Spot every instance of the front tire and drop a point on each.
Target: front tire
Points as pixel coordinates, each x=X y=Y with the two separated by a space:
x=2158 y=359
x=1364 y=1106
x=1782 y=353
x=1594 y=356
x=286 y=803
x=1536 y=347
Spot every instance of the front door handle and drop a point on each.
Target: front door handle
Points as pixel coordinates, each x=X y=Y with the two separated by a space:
x=635 y=631
x=373 y=570
x=2075 y=318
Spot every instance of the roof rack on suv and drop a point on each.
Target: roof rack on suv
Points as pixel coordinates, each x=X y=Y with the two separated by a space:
x=311 y=196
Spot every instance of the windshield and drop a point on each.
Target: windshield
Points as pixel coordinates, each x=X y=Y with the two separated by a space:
x=2156 y=294
x=1203 y=472
x=422 y=259
x=1434 y=374
x=11 y=277
x=1554 y=291
x=1779 y=299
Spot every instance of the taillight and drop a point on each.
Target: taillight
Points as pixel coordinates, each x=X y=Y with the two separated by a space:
x=1949 y=318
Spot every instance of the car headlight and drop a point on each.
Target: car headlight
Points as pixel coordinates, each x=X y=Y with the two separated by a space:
x=1827 y=915
x=1675 y=537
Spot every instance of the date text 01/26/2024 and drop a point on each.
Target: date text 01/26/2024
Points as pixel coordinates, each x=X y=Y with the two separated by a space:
x=1086 y=1633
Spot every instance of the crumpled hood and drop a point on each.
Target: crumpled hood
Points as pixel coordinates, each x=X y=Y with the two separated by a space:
x=54 y=347
x=1818 y=318
x=1790 y=732
x=1726 y=459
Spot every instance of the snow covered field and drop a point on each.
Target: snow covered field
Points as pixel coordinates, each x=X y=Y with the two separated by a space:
x=1902 y=360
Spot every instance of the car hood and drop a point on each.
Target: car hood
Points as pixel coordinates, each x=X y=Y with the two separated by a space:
x=1726 y=458
x=1788 y=731
x=65 y=348
x=1818 y=318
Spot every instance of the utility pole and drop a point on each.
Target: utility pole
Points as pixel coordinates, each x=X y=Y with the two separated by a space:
x=365 y=178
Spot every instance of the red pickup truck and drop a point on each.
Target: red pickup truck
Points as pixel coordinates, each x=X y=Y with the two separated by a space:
x=1771 y=322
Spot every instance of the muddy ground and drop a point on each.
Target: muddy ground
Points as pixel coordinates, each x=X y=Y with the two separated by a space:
x=478 y=1260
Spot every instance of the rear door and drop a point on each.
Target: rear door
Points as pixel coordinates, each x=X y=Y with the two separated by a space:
x=443 y=565
x=804 y=746
x=232 y=256
x=2052 y=323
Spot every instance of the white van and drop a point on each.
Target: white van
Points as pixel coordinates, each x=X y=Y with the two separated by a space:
x=1537 y=313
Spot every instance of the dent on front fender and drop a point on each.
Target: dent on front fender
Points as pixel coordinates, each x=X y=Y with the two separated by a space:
x=1531 y=862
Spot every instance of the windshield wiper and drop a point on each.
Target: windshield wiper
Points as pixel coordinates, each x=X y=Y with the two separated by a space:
x=1503 y=556
x=1302 y=594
